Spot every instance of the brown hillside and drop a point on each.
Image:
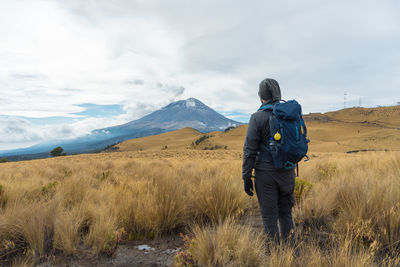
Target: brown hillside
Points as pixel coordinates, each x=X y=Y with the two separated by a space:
x=232 y=139
x=382 y=116
x=172 y=140
x=355 y=129
x=345 y=130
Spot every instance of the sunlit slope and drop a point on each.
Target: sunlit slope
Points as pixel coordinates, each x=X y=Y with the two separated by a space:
x=178 y=139
x=345 y=130
x=187 y=138
x=337 y=136
x=355 y=129
x=233 y=139
x=382 y=116
x=330 y=136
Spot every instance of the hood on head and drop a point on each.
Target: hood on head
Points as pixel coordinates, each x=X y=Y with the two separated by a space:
x=269 y=90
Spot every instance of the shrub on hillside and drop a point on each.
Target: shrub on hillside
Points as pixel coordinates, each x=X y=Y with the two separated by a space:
x=58 y=151
x=2 y=160
x=201 y=139
x=229 y=128
x=215 y=147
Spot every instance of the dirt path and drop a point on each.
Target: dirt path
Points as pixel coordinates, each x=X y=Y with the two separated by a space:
x=159 y=252
x=254 y=219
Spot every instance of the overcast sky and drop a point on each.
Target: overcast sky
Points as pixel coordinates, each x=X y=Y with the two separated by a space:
x=67 y=67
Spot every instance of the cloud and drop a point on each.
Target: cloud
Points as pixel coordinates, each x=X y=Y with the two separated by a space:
x=71 y=90
x=140 y=55
x=94 y=110
x=19 y=132
x=27 y=76
x=135 y=82
x=179 y=91
x=175 y=90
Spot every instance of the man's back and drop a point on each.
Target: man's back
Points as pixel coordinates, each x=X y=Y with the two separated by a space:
x=275 y=188
x=257 y=135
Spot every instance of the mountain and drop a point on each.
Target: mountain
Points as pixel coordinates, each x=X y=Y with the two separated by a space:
x=184 y=113
x=180 y=114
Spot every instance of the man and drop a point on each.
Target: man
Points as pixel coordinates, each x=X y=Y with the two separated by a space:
x=274 y=188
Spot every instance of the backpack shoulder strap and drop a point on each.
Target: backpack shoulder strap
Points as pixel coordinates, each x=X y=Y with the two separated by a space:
x=266 y=107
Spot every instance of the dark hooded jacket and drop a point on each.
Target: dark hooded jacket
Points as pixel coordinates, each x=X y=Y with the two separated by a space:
x=258 y=131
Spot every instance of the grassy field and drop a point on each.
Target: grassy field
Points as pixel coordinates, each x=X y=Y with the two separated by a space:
x=347 y=210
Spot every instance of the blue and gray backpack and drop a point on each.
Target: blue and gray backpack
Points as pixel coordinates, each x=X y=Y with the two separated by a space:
x=287 y=142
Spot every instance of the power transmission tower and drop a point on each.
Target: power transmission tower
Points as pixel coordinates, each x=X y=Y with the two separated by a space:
x=344 y=99
x=359 y=102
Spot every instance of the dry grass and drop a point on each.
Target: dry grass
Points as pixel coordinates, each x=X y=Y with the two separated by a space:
x=349 y=213
x=228 y=244
x=231 y=244
x=362 y=193
x=66 y=204
x=178 y=139
x=349 y=217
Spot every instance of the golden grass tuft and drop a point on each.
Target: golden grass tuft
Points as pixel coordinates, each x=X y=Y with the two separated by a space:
x=228 y=244
x=67 y=229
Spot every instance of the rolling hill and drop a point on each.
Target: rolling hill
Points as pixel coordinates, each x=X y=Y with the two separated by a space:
x=347 y=130
x=178 y=139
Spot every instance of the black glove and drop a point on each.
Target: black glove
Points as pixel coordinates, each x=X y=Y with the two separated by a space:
x=248 y=186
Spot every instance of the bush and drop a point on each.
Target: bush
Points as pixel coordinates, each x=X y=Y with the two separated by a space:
x=202 y=139
x=58 y=151
x=2 y=160
x=215 y=147
x=229 y=128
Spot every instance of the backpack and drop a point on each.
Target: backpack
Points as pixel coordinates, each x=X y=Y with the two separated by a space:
x=287 y=141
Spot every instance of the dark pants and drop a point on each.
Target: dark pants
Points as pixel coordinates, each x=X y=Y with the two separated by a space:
x=275 y=193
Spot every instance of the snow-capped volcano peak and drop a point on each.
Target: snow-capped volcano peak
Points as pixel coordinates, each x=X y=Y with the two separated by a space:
x=190 y=103
x=183 y=113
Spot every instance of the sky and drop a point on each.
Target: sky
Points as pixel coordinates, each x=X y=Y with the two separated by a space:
x=68 y=67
